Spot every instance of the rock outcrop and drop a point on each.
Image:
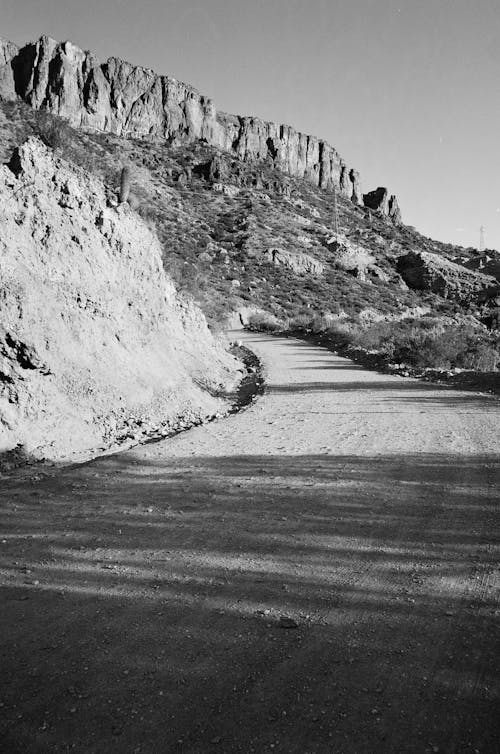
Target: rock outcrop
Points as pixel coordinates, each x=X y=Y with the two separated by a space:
x=128 y=100
x=423 y=270
x=95 y=343
x=298 y=262
x=353 y=259
x=223 y=167
x=380 y=201
x=486 y=263
x=8 y=52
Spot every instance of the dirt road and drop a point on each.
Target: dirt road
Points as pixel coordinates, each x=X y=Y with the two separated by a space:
x=316 y=574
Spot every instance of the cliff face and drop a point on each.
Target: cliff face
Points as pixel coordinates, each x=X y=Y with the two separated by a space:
x=128 y=100
x=96 y=346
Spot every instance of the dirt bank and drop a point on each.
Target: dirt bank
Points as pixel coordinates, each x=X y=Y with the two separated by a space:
x=97 y=347
x=315 y=574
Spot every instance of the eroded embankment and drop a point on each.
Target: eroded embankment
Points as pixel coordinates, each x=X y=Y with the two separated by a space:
x=96 y=346
x=251 y=386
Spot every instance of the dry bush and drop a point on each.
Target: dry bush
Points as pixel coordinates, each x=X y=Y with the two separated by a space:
x=427 y=343
x=420 y=343
x=266 y=322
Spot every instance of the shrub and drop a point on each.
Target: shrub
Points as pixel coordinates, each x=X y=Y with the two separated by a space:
x=301 y=322
x=428 y=343
x=340 y=335
x=54 y=132
x=266 y=322
x=422 y=343
x=482 y=358
x=374 y=337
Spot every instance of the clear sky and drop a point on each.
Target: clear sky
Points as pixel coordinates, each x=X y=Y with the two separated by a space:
x=408 y=91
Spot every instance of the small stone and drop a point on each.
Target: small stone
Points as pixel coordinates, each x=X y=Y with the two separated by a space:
x=286 y=622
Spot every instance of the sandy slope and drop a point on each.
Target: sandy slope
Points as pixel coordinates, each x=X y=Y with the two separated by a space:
x=143 y=593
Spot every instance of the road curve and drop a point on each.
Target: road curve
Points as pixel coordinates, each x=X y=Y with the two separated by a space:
x=319 y=403
x=318 y=573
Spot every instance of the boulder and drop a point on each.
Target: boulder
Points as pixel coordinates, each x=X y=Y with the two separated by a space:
x=226 y=189
x=296 y=261
x=218 y=169
x=487 y=263
x=354 y=259
x=423 y=270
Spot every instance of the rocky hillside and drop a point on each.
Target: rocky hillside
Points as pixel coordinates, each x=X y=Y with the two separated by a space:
x=245 y=212
x=237 y=234
x=128 y=100
x=96 y=346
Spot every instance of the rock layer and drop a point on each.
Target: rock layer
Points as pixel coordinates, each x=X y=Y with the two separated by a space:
x=129 y=100
x=95 y=343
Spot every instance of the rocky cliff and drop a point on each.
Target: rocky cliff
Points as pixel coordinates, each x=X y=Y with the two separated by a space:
x=381 y=201
x=129 y=100
x=96 y=346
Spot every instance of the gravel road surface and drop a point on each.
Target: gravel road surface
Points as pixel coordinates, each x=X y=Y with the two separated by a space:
x=318 y=573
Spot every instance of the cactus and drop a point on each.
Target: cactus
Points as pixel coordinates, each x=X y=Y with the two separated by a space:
x=124 y=184
x=133 y=202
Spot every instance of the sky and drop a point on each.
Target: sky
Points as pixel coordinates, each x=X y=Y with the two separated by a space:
x=408 y=91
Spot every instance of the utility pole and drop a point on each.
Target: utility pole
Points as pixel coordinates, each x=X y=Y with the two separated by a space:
x=481 y=238
x=335 y=215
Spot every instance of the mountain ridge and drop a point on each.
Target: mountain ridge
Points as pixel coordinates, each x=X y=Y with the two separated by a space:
x=133 y=101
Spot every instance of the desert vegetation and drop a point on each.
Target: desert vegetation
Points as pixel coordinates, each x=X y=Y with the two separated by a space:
x=215 y=244
x=421 y=343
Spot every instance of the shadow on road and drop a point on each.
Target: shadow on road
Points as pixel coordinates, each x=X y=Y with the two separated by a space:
x=412 y=391
x=141 y=605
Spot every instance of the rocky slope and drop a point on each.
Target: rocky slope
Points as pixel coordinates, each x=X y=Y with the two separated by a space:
x=426 y=271
x=132 y=101
x=95 y=344
x=219 y=219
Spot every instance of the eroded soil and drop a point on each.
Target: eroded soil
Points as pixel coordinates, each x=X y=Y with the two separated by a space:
x=318 y=573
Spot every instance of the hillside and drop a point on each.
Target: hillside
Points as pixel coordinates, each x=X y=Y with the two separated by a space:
x=253 y=218
x=219 y=218
x=96 y=345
